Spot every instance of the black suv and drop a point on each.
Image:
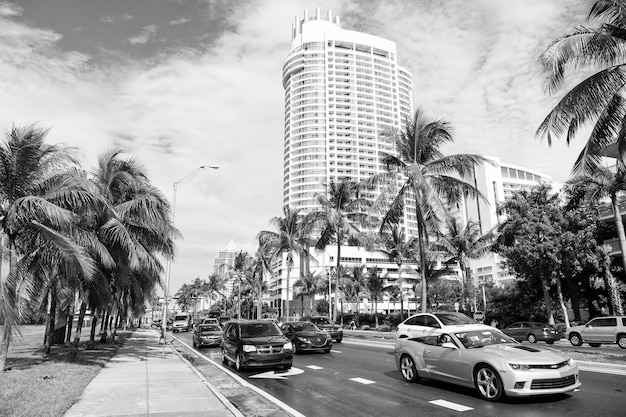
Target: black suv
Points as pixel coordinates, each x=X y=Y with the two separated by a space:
x=324 y=323
x=255 y=344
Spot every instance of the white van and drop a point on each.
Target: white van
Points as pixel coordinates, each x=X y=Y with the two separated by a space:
x=182 y=322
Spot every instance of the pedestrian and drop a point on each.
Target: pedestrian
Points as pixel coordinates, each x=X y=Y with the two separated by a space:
x=352 y=325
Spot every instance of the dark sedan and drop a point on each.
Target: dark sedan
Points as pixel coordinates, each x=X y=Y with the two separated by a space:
x=207 y=335
x=533 y=332
x=306 y=336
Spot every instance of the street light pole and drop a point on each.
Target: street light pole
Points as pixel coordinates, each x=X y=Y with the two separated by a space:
x=168 y=267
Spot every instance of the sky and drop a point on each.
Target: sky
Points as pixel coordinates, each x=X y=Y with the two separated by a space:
x=178 y=84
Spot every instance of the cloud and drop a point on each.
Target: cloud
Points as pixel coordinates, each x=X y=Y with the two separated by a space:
x=10 y=9
x=179 y=21
x=116 y=18
x=147 y=33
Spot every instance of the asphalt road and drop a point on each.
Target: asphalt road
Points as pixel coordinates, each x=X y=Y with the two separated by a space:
x=360 y=379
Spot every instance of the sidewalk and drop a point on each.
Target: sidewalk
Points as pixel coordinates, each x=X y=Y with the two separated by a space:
x=141 y=381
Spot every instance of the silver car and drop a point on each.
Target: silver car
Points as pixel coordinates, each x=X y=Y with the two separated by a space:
x=611 y=329
x=482 y=357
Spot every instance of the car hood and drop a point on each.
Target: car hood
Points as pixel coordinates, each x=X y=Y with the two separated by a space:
x=525 y=354
x=265 y=340
x=311 y=334
x=576 y=328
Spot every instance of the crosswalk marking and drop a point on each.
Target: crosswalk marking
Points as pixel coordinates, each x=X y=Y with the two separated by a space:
x=362 y=381
x=450 y=405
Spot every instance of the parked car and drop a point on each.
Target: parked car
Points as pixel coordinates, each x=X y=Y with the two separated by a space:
x=482 y=357
x=532 y=331
x=610 y=329
x=255 y=344
x=182 y=322
x=335 y=331
x=306 y=336
x=423 y=324
x=207 y=335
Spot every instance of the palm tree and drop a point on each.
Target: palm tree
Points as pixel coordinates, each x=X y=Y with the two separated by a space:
x=597 y=99
x=35 y=223
x=215 y=285
x=434 y=181
x=342 y=210
x=353 y=285
x=375 y=285
x=308 y=287
x=460 y=244
x=400 y=251
x=291 y=231
x=240 y=267
x=135 y=226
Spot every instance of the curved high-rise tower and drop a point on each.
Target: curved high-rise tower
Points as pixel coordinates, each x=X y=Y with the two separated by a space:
x=342 y=90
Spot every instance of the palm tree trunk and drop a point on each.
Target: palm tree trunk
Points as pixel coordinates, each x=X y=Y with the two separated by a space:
x=286 y=312
x=51 y=315
x=422 y=249
x=619 y=225
x=401 y=292
x=81 y=317
x=92 y=335
x=546 y=298
x=337 y=277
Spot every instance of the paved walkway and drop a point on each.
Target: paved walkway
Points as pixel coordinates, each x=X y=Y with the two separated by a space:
x=143 y=379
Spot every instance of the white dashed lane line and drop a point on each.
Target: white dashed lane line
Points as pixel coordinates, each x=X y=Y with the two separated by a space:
x=314 y=367
x=450 y=405
x=362 y=381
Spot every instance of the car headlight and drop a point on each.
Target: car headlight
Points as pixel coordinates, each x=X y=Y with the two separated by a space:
x=288 y=346
x=249 y=348
x=303 y=339
x=519 y=367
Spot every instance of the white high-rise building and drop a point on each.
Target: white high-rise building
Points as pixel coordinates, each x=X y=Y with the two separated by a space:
x=223 y=263
x=342 y=90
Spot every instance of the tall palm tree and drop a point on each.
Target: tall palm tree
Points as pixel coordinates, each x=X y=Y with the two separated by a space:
x=399 y=250
x=238 y=271
x=35 y=221
x=353 y=285
x=375 y=284
x=342 y=211
x=434 y=181
x=460 y=244
x=287 y=239
x=215 y=286
x=596 y=99
x=307 y=287
x=135 y=226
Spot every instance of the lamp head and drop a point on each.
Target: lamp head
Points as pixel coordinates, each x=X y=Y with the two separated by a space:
x=210 y=166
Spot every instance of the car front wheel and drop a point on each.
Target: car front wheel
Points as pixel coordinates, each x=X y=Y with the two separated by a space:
x=408 y=369
x=238 y=363
x=224 y=358
x=532 y=338
x=488 y=383
x=621 y=341
x=575 y=339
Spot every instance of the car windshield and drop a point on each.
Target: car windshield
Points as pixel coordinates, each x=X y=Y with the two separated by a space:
x=209 y=328
x=260 y=329
x=454 y=318
x=321 y=320
x=178 y=318
x=304 y=327
x=481 y=338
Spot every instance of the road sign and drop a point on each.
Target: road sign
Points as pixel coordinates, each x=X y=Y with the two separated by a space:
x=479 y=316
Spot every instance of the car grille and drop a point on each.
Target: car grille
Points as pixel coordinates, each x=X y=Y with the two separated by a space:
x=551 y=366
x=269 y=349
x=318 y=341
x=553 y=382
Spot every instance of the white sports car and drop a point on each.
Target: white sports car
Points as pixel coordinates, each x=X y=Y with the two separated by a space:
x=482 y=357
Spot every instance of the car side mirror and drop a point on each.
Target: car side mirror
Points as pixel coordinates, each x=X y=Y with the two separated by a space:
x=449 y=345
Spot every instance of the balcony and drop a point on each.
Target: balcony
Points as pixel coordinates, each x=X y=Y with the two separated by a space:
x=605 y=211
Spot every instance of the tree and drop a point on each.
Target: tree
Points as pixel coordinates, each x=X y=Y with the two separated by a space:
x=375 y=285
x=308 y=287
x=342 y=210
x=460 y=244
x=35 y=190
x=597 y=99
x=291 y=229
x=432 y=180
x=543 y=242
x=352 y=285
x=399 y=250
x=590 y=189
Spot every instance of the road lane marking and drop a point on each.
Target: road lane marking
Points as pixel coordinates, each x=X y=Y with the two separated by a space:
x=277 y=374
x=362 y=381
x=335 y=351
x=314 y=367
x=450 y=405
